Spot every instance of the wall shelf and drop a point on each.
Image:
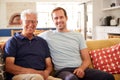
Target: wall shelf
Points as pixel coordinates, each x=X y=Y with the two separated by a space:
x=108 y=3
x=111 y=8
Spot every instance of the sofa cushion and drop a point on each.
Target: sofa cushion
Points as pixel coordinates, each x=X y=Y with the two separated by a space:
x=106 y=59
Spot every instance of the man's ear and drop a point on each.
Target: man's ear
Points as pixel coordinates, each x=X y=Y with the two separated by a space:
x=66 y=18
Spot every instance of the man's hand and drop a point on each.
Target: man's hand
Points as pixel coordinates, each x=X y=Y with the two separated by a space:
x=79 y=72
x=45 y=74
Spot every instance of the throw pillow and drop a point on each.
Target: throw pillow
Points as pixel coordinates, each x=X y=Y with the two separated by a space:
x=2 y=77
x=107 y=59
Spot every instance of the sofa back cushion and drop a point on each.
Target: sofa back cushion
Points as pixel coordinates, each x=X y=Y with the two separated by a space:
x=98 y=44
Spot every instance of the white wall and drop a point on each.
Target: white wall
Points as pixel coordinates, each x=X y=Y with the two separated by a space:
x=2 y=13
x=98 y=12
x=3 y=8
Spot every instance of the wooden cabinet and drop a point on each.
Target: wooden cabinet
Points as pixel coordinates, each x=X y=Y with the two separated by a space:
x=112 y=35
x=35 y=33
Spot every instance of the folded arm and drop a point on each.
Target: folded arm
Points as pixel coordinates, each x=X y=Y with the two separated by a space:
x=15 y=69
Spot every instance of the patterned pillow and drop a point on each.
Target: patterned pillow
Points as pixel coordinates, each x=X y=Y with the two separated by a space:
x=2 y=77
x=107 y=59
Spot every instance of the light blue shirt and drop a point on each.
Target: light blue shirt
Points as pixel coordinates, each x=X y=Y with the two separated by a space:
x=64 y=47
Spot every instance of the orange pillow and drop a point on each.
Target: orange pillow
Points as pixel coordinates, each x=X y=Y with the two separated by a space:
x=107 y=59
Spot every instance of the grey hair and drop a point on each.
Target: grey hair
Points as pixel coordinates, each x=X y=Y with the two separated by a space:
x=28 y=11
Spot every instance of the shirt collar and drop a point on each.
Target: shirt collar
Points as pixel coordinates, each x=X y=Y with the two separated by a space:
x=18 y=34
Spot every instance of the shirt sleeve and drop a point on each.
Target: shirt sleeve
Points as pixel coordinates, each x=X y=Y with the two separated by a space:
x=82 y=42
x=10 y=48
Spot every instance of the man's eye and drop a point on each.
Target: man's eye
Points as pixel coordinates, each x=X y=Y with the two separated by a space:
x=31 y=21
x=55 y=18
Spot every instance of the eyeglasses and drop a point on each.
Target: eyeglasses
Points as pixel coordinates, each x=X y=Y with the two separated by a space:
x=31 y=21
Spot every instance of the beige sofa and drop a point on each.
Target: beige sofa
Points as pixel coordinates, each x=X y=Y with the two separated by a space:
x=98 y=44
x=95 y=44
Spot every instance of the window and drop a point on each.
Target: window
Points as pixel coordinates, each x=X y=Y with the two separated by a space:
x=44 y=14
x=79 y=16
